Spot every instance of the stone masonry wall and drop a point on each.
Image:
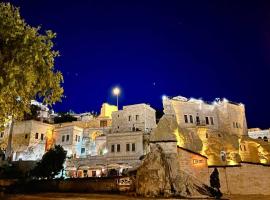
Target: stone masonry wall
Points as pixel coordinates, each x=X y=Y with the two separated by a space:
x=245 y=179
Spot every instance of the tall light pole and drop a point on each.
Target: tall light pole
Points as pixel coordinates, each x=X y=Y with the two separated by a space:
x=116 y=92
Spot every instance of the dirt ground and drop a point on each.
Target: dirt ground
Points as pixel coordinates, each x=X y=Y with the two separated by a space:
x=73 y=196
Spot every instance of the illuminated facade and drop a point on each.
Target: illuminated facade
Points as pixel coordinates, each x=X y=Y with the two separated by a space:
x=257 y=133
x=29 y=139
x=217 y=130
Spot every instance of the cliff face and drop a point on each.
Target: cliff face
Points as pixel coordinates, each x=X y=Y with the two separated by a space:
x=160 y=175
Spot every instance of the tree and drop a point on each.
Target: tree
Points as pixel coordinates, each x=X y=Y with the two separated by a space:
x=27 y=65
x=51 y=163
x=33 y=114
x=215 y=184
x=26 y=68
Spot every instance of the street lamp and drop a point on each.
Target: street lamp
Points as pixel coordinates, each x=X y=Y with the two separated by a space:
x=116 y=92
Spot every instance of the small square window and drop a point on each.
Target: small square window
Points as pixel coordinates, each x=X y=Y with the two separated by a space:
x=127 y=147
x=212 y=120
x=207 y=120
x=191 y=119
x=82 y=150
x=186 y=118
x=197 y=119
x=118 y=147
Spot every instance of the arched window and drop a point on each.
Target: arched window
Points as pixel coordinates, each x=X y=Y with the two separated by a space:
x=265 y=139
x=259 y=138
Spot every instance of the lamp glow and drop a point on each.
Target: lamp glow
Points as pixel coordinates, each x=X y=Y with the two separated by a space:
x=116 y=91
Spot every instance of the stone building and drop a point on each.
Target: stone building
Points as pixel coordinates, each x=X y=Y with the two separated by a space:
x=131 y=126
x=70 y=137
x=217 y=130
x=257 y=133
x=29 y=139
x=220 y=115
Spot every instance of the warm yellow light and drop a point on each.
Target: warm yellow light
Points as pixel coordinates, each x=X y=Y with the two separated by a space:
x=116 y=91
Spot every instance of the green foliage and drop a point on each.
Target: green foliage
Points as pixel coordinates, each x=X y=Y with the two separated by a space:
x=64 y=117
x=51 y=163
x=215 y=184
x=33 y=114
x=26 y=65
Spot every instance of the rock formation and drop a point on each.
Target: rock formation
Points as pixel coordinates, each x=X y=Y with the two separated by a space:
x=160 y=175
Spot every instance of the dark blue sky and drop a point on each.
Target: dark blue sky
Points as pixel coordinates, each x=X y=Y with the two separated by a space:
x=195 y=49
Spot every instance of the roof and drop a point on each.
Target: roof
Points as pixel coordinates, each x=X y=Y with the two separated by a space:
x=193 y=152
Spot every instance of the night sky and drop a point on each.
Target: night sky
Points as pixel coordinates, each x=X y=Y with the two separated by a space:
x=201 y=49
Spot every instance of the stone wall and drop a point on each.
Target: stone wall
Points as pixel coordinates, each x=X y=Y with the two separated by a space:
x=90 y=185
x=193 y=164
x=246 y=179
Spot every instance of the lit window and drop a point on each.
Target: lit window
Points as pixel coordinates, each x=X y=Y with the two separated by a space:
x=42 y=136
x=112 y=148
x=36 y=136
x=67 y=138
x=118 y=147
x=212 y=120
x=137 y=117
x=195 y=161
x=63 y=138
x=133 y=146
x=186 y=118
x=206 y=120
x=103 y=123
x=191 y=119
x=127 y=147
